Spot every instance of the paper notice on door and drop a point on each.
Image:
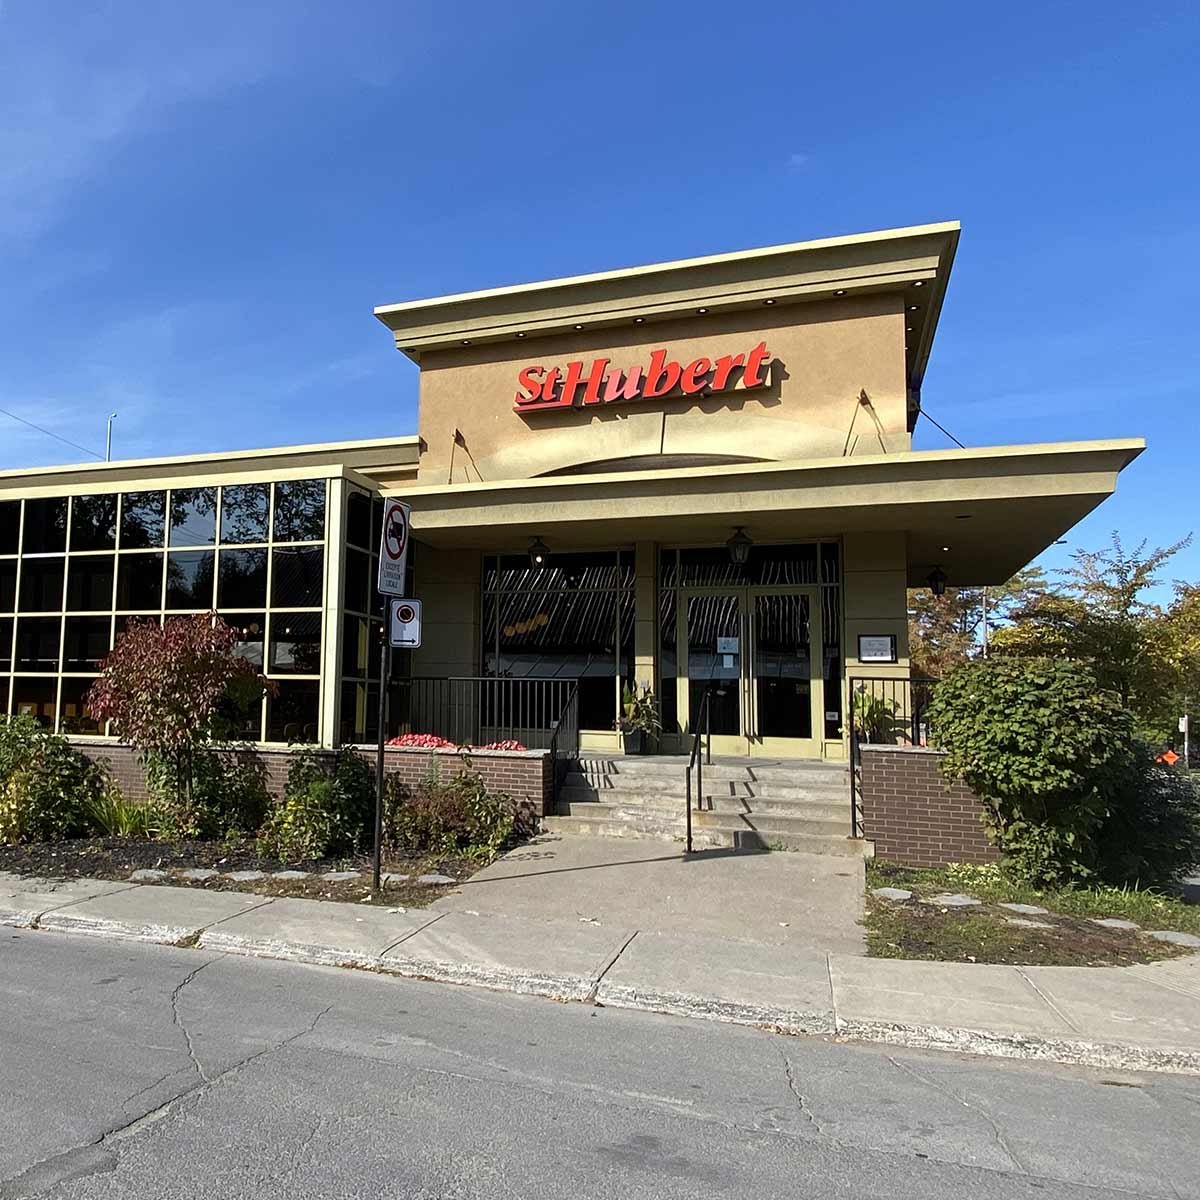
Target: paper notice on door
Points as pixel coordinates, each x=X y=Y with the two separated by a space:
x=727 y=660
x=727 y=645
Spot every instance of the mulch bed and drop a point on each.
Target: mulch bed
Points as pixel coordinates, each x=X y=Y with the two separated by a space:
x=909 y=929
x=116 y=858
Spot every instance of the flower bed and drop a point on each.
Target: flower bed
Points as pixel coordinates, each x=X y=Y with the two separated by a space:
x=431 y=741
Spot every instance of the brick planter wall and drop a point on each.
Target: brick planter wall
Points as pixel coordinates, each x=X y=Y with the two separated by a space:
x=914 y=815
x=525 y=775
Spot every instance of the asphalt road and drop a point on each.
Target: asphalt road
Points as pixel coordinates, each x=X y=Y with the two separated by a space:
x=143 y=1071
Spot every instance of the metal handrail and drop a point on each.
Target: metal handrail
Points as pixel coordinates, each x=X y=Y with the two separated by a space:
x=568 y=719
x=696 y=761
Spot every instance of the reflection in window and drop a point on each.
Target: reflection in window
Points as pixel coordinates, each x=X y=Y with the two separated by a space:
x=42 y=584
x=292 y=713
x=90 y=583
x=85 y=643
x=93 y=522
x=295 y=644
x=358 y=520
x=143 y=520
x=6 y=647
x=300 y=511
x=139 y=582
x=296 y=577
x=45 y=526
x=190 y=579
x=74 y=707
x=36 y=698
x=243 y=579
x=356 y=652
x=244 y=509
x=8 y=584
x=193 y=517
x=357 y=586
x=10 y=526
x=251 y=635
x=37 y=643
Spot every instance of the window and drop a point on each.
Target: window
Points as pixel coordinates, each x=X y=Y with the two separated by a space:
x=42 y=584
x=45 y=526
x=297 y=577
x=8 y=584
x=358 y=520
x=74 y=716
x=90 y=583
x=6 y=645
x=190 y=579
x=356 y=589
x=93 y=523
x=143 y=520
x=36 y=698
x=251 y=630
x=244 y=511
x=300 y=511
x=85 y=643
x=37 y=643
x=293 y=711
x=193 y=517
x=139 y=582
x=295 y=643
x=243 y=579
x=10 y=526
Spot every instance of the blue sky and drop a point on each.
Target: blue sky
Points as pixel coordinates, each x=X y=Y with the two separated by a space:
x=200 y=204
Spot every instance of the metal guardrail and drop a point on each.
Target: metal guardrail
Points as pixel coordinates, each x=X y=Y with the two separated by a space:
x=884 y=710
x=564 y=742
x=702 y=738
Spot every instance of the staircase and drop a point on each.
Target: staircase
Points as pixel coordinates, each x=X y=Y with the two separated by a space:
x=748 y=804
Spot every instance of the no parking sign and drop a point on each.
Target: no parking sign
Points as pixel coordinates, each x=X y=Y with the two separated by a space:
x=405 y=624
x=393 y=548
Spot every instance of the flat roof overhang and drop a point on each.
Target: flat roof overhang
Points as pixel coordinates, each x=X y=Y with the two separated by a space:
x=995 y=508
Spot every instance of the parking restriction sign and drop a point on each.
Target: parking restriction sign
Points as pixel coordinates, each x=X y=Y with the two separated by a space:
x=393 y=548
x=404 y=630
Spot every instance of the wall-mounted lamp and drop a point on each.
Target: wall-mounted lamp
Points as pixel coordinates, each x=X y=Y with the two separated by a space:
x=739 y=547
x=539 y=552
x=937 y=581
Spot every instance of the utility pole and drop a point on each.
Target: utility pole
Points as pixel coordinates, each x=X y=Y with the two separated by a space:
x=108 y=438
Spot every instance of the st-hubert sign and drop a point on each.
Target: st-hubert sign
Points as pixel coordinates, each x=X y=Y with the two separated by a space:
x=541 y=389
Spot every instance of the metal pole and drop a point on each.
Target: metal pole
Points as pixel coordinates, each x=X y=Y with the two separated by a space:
x=108 y=437
x=985 y=623
x=384 y=670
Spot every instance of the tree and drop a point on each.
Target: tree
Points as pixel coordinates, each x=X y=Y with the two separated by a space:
x=170 y=689
x=1103 y=617
x=947 y=630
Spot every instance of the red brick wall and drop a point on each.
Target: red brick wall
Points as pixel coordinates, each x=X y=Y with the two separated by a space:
x=914 y=815
x=524 y=775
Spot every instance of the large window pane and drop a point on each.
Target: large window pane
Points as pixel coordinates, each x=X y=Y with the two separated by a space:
x=251 y=635
x=74 y=707
x=93 y=522
x=45 y=526
x=292 y=713
x=300 y=511
x=356 y=652
x=193 y=517
x=37 y=698
x=244 y=509
x=85 y=643
x=10 y=526
x=139 y=582
x=90 y=583
x=190 y=579
x=143 y=520
x=37 y=643
x=42 y=584
x=6 y=646
x=243 y=579
x=295 y=644
x=8 y=584
x=296 y=577
x=357 y=590
x=358 y=520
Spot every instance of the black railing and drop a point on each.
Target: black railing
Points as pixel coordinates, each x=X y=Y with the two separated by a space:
x=564 y=741
x=482 y=710
x=701 y=739
x=884 y=710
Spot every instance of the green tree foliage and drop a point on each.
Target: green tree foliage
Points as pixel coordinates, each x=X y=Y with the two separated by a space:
x=1048 y=751
x=455 y=816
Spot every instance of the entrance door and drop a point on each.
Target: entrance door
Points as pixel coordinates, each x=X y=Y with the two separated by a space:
x=753 y=649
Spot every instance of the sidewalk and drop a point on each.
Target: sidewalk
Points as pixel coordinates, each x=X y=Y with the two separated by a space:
x=1140 y=1018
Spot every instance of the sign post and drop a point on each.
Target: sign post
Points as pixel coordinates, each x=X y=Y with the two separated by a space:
x=393 y=564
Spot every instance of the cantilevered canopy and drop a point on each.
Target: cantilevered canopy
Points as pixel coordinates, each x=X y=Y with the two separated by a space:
x=979 y=514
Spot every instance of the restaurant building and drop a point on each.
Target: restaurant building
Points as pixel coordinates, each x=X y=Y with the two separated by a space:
x=696 y=475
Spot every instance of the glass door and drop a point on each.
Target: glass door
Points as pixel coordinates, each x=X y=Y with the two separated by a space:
x=713 y=626
x=784 y=701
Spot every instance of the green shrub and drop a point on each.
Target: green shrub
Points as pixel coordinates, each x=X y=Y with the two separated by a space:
x=111 y=814
x=46 y=786
x=325 y=809
x=458 y=816
x=1046 y=750
x=1151 y=835
x=227 y=793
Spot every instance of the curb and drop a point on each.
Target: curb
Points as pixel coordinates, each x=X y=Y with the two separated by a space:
x=576 y=989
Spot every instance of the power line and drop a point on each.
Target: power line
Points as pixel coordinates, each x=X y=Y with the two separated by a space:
x=947 y=432
x=50 y=433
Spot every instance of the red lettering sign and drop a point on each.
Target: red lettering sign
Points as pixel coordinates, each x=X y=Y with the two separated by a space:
x=580 y=385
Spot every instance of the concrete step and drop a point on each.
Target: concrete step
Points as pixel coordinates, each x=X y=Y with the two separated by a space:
x=817 y=808
x=795 y=787
x=639 y=816
x=798 y=772
x=730 y=836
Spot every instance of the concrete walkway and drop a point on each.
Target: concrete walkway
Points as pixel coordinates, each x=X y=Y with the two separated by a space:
x=660 y=948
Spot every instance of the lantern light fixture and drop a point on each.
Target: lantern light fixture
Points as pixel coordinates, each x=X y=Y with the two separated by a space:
x=739 y=547
x=937 y=581
x=539 y=552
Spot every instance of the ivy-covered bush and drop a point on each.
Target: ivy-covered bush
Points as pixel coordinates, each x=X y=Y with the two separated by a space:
x=46 y=786
x=455 y=816
x=326 y=807
x=1048 y=752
